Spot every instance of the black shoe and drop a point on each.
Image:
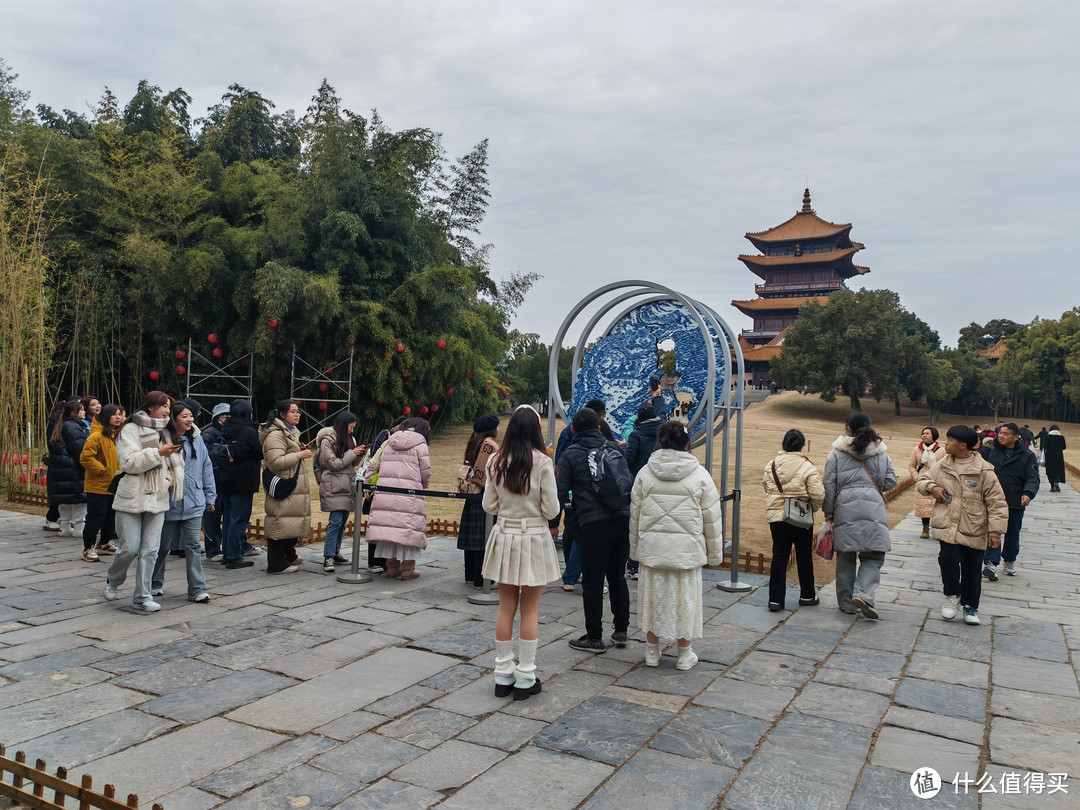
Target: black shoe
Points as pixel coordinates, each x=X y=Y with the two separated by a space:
x=340 y=560
x=503 y=689
x=522 y=694
x=811 y=602
x=588 y=644
x=775 y=607
x=990 y=572
x=241 y=563
x=618 y=639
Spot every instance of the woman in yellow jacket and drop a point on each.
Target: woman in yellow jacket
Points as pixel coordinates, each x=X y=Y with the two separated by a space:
x=98 y=458
x=799 y=478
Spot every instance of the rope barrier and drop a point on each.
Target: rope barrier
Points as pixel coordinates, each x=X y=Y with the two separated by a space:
x=424 y=493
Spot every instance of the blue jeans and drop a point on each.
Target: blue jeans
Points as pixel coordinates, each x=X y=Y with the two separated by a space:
x=1010 y=543
x=572 y=554
x=335 y=528
x=138 y=535
x=186 y=534
x=211 y=526
x=235 y=513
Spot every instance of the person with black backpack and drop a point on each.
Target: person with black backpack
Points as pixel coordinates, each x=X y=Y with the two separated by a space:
x=219 y=452
x=595 y=471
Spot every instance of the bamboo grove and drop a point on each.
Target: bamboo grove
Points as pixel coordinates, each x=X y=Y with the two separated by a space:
x=129 y=230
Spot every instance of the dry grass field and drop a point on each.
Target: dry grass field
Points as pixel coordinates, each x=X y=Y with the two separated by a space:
x=764 y=425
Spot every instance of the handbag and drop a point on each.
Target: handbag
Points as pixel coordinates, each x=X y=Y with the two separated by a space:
x=115 y=483
x=278 y=487
x=823 y=543
x=797 y=511
x=471 y=477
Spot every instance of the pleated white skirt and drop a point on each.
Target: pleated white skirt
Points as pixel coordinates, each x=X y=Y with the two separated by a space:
x=521 y=552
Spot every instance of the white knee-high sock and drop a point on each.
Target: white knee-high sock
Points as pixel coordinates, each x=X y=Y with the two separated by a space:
x=526 y=668
x=504 y=662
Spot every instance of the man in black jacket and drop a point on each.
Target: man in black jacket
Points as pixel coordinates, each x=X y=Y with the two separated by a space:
x=603 y=536
x=211 y=523
x=1017 y=469
x=238 y=482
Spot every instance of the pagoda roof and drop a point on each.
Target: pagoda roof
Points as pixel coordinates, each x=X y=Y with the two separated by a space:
x=994 y=352
x=806 y=224
x=760 y=304
x=765 y=351
x=759 y=264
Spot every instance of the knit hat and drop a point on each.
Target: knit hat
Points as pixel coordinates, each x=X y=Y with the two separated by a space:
x=485 y=423
x=646 y=411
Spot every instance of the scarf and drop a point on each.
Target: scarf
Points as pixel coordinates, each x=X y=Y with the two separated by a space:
x=151 y=436
x=928 y=457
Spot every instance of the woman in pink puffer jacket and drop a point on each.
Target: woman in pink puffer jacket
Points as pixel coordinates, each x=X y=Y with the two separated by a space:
x=397 y=523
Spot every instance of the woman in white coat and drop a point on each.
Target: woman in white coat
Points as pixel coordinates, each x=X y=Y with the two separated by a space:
x=520 y=554
x=151 y=467
x=674 y=531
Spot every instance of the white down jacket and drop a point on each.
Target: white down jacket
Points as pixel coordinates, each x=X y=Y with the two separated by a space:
x=675 y=513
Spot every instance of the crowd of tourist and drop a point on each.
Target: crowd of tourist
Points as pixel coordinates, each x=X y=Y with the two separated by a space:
x=637 y=505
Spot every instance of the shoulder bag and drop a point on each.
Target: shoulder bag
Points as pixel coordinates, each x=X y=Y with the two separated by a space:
x=797 y=511
x=278 y=487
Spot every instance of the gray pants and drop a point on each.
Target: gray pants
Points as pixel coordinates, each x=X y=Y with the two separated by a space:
x=139 y=535
x=185 y=534
x=861 y=584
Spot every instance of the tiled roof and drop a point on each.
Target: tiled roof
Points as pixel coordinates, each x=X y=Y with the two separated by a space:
x=804 y=225
x=994 y=352
x=758 y=304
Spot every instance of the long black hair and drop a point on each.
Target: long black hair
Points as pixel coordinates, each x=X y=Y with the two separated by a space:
x=177 y=437
x=104 y=418
x=513 y=463
x=69 y=410
x=472 y=450
x=343 y=438
x=672 y=436
x=279 y=412
x=862 y=435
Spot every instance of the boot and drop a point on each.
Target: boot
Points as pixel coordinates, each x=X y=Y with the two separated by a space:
x=504 y=668
x=925 y=532
x=525 y=681
x=393 y=568
x=408 y=569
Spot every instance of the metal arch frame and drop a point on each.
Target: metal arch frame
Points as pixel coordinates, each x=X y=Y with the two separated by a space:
x=708 y=405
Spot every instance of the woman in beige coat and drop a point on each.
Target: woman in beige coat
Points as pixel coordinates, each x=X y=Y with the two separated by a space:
x=924 y=456
x=799 y=478
x=287 y=519
x=520 y=554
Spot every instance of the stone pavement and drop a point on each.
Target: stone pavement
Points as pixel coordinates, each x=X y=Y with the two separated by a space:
x=299 y=691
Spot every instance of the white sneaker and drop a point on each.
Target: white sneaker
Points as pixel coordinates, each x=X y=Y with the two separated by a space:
x=50 y=526
x=652 y=659
x=157 y=591
x=950 y=608
x=201 y=598
x=1010 y=569
x=110 y=592
x=65 y=530
x=149 y=606
x=686 y=662
x=971 y=616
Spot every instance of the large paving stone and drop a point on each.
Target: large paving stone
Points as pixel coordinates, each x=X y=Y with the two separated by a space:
x=503 y=732
x=1035 y=746
x=666 y=679
x=1020 y=789
x=454 y=677
x=933 y=667
x=60 y=642
x=322 y=658
x=145 y=659
x=883 y=635
x=774 y=669
x=603 y=729
x=946 y=699
x=425 y=623
x=904 y=750
x=952 y=727
x=254 y=651
x=1032 y=647
x=56 y=662
x=836 y=703
x=531 y=776
x=711 y=735
x=427 y=728
x=351 y=725
x=302 y=786
x=263 y=766
x=963 y=647
x=855 y=680
x=404 y=701
x=806 y=642
x=743 y=697
x=559 y=696
x=1033 y=707
x=884 y=788
x=448 y=766
x=207 y=747
x=1015 y=672
x=206 y=700
x=42 y=686
x=189 y=798
x=652 y=774
x=37 y=718
x=386 y=794
x=778 y=778
x=368 y=757
x=313 y=703
x=453 y=642
x=77 y=745
x=172 y=676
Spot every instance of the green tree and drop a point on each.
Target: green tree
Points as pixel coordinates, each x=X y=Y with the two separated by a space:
x=983 y=336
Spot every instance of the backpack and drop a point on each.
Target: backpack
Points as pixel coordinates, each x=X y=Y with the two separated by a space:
x=472 y=477
x=221 y=456
x=611 y=479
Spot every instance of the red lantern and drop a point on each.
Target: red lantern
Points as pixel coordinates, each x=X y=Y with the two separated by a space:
x=181 y=371
x=449 y=391
x=22 y=478
x=434 y=408
x=406 y=410
x=399 y=348
x=180 y=354
x=416 y=402
x=322 y=406
x=272 y=323
x=218 y=351
x=506 y=394
x=441 y=344
x=212 y=337
x=43 y=481
x=424 y=409
x=468 y=374
x=25 y=458
x=154 y=375
x=378 y=402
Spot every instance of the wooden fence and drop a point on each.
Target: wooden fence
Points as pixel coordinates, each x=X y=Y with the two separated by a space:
x=28 y=786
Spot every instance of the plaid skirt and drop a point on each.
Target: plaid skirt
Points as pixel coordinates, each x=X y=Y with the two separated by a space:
x=520 y=552
x=471 y=527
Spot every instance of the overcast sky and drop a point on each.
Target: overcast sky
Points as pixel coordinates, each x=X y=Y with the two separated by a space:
x=642 y=140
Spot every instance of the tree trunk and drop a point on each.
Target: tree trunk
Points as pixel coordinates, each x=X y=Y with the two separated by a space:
x=896 y=404
x=855 y=404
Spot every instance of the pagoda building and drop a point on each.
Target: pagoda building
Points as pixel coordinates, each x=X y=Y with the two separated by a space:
x=803 y=259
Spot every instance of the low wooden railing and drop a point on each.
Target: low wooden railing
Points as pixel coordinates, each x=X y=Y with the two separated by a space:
x=40 y=782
